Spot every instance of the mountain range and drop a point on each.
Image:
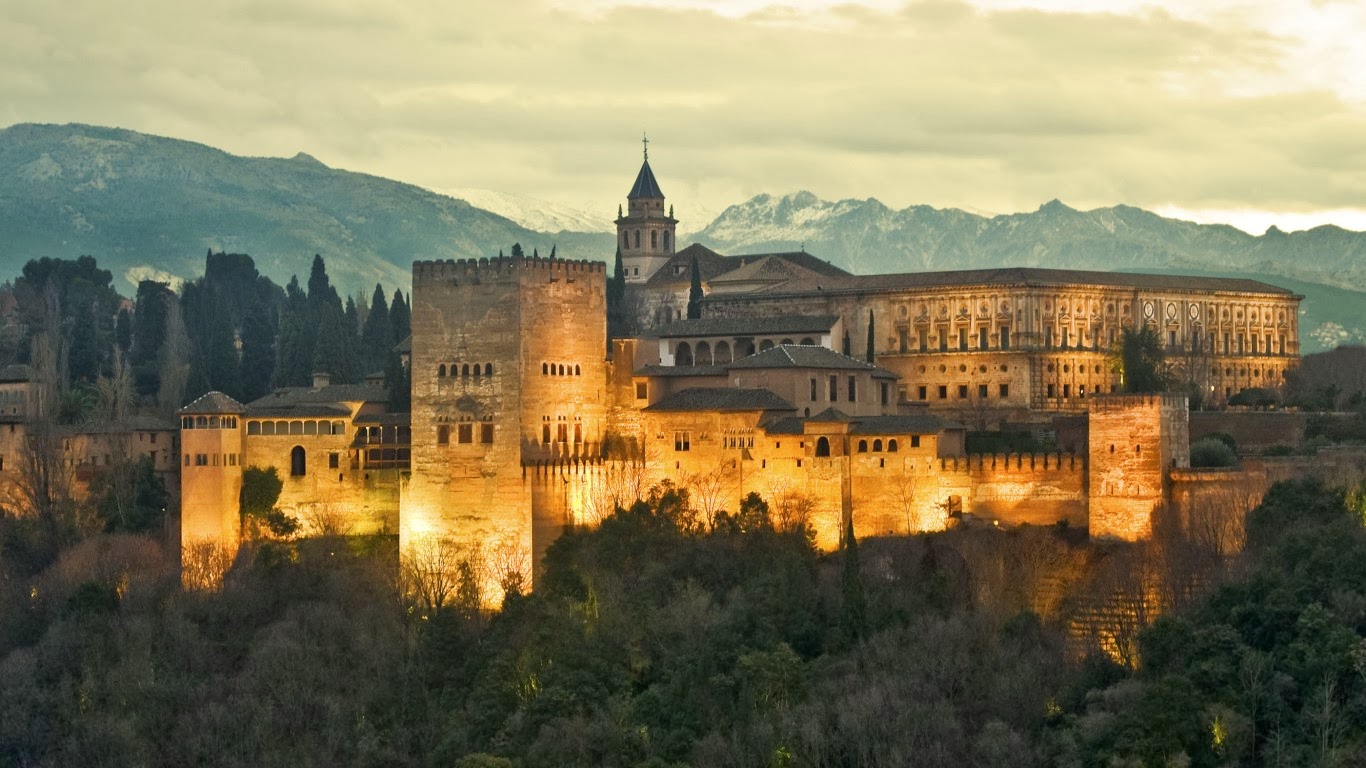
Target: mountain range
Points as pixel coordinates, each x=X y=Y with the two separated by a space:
x=148 y=206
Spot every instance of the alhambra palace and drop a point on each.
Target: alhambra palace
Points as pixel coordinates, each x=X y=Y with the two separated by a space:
x=843 y=399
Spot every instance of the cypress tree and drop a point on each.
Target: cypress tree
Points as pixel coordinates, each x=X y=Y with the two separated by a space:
x=695 y=292
x=398 y=384
x=854 y=603
x=400 y=319
x=616 y=300
x=293 y=348
x=870 y=336
x=258 y=354
x=377 y=337
x=123 y=331
x=330 y=351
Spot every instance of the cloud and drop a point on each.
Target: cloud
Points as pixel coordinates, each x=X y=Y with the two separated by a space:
x=936 y=102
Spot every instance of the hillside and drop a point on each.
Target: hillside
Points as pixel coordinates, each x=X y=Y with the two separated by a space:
x=1326 y=264
x=150 y=206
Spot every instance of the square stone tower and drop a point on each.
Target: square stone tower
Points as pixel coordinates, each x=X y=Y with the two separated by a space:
x=1134 y=441
x=509 y=371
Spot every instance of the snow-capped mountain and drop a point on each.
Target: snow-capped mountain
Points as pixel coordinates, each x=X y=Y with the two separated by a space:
x=534 y=213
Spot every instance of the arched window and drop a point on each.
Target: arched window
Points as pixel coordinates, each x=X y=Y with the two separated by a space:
x=637 y=238
x=561 y=369
x=877 y=446
x=488 y=369
x=766 y=344
x=683 y=354
x=441 y=371
x=891 y=445
x=576 y=371
x=545 y=369
x=465 y=370
x=666 y=241
x=476 y=370
x=862 y=446
x=721 y=354
x=297 y=467
x=787 y=341
x=822 y=447
x=808 y=341
x=625 y=242
x=703 y=354
x=654 y=240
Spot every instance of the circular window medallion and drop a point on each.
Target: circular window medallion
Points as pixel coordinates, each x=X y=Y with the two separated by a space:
x=1148 y=310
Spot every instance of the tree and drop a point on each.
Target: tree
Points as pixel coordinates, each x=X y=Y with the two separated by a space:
x=695 y=292
x=871 y=335
x=260 y=492
x=616 y=300
x=400 y=318
x=1141 y=361
x=853 y=603
x=377 y=338
x=294 y=343
x=152 y=307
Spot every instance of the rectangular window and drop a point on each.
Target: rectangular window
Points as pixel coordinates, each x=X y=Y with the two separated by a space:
x=187 y=459
x=813 y=390
x=962 y=339
x=924 y=334
x=962 y=391
x=1268 y=344
x=1048 y=337
x=154 y=438
x=915 y=441
x=886 y=389
x=943 y=392
x=464 y=433
x=1171 y=339
x=1005 y=391
x=1066 y=391
x=982 y=334
x=642 y=390
x=982 y=391
x=443 y=434
x=853 y=389
x=201 y=459
x=562 y=433
x=486 y=433
x=682 y=440
x=1051 y=392
x=834 y=388
x=922 y=393
x=1282 y=347
x=943 y=340
x=1064 y=338
x=903 y=340
x=1005 y=338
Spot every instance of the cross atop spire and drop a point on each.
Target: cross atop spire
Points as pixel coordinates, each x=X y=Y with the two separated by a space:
x=645 y=140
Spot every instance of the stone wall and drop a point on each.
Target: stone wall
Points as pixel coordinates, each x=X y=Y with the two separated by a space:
x=1133 y=441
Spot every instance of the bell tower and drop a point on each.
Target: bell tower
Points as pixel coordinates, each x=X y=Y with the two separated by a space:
x=645 y=233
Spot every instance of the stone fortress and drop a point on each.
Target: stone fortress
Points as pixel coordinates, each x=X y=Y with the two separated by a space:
x=841 y=399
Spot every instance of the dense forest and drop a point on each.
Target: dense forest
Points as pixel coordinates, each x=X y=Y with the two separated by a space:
x=660 y=639
x=233 y=330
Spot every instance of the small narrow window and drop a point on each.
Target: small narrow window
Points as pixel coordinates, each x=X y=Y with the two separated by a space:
x=443 y=434
x=465 y=433
x=486 y=433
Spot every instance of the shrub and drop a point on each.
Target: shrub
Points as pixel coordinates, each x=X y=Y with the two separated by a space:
x=1212 y=452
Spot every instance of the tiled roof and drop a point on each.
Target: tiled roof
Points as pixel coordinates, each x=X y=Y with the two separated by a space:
x=786 y=425
x=299 y=410
x=1020 y=276
x=722 y=399
x=831 y=414
x=214 y=402
x=748 y=326
x=681 y=370
x=406 y=345
x=799 y=258
x=384 y=419
x=804 y=356
x=333 y=393
x=137 y=423
x=645 y=186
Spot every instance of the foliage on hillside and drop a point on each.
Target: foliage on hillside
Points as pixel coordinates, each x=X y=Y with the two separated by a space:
x=665 y=639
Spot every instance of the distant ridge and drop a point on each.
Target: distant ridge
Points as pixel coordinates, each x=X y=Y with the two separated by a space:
x=146 y=205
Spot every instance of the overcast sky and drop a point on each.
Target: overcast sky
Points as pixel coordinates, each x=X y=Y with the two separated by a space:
x=1252 y=112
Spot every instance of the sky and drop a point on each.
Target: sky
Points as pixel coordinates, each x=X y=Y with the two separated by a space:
x=1253 y=113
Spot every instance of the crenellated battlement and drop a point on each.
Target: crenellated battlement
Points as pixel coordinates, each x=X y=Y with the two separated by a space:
x=498 y=267
x=1013 y=463
x=1124 y=402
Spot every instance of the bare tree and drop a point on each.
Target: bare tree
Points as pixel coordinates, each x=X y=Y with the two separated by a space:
x=203 y=565
x=712 y=488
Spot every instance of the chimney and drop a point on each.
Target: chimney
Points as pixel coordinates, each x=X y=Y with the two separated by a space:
x=321 y=380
